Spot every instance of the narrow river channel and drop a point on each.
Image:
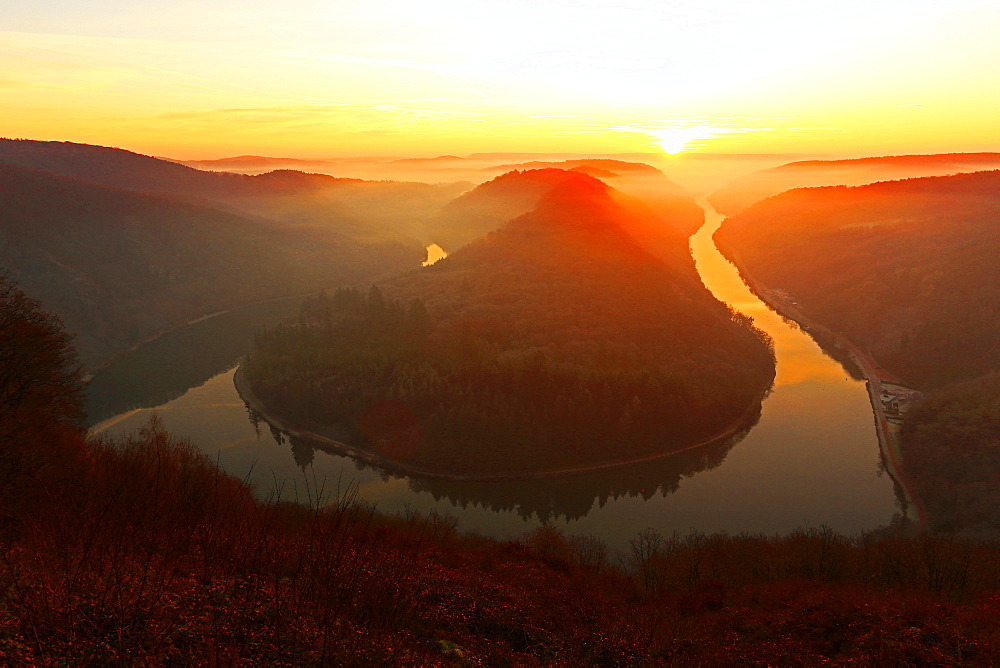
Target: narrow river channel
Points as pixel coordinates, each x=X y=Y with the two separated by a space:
x=812 y=458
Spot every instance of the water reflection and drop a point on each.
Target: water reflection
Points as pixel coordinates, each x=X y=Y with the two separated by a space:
x=565 y=498
x=434 y=253
x=170 y=365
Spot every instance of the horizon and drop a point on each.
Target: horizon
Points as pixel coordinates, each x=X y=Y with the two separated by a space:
x=219 y=80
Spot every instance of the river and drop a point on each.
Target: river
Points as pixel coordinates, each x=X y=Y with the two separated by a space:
x=811 y=459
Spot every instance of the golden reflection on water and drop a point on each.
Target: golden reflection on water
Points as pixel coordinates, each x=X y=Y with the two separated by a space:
x=799 y=359
x=434 y=253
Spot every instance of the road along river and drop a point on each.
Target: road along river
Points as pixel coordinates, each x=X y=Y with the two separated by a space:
x=813 y=457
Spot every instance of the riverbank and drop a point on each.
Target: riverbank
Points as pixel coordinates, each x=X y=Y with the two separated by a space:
x=393 y=466
x=892 y=455
x=111 y=359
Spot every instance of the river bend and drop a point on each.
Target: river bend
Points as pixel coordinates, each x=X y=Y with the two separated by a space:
x=812 y=458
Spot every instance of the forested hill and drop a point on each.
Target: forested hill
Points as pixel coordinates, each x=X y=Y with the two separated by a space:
x=578 y=229
x=744 y=191
x=491 y=204
x=909 y=271
x=673 y=206
x=556 y=341
x=517 y=192
x=366 y=210
x=119 y=168
x=118 y=266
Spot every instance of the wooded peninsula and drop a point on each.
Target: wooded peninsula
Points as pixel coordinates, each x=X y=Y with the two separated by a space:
x=560 y=340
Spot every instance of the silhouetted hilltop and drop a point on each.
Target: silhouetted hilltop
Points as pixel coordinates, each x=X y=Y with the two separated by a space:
x=754 y=187
x=429 y=161
x=929 y=160
x=558 y=340
x=119 y=168
x=670 y=202
x=493 y=203
x=490 y=205
x=248 y=162
x=118 y=266
x=614 y=166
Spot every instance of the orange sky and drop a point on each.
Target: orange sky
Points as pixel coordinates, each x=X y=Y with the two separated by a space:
x=320 y=78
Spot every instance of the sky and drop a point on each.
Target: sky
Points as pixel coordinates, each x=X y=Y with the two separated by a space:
x=312 y=78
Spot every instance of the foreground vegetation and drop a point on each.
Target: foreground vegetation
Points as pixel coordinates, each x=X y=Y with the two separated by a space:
x=141 y=551
x=199 y=572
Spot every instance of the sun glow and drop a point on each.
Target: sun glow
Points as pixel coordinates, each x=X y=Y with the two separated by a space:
x=223 y=77
x=677 y=139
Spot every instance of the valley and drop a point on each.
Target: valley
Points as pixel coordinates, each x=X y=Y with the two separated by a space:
x=795 y=467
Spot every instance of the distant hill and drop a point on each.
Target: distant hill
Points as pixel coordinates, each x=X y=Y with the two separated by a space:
x=251 y=162
x=441 y=159
x=645 y=182
x=368 y=210
x=123 y=169
x=557 y=340
x=514 y=193
x=490 y=205
x=744 y=191
x=607 y=164
x=118 y=266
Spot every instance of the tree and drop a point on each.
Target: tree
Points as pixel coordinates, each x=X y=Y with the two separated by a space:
x=41 y=382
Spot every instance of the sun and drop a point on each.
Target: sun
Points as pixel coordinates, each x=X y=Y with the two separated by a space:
x=678 y=138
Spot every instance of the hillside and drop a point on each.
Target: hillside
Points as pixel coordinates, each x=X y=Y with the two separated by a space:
x=952 y=442
x=672 y=205
x=559 y=340
x=516 y=192
x=908 y=270
x=366 y=210
x=119 y=266
x=744 y=191
x=489 y=205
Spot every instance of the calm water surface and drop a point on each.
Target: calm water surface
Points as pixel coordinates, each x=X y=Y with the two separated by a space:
x=811 y=459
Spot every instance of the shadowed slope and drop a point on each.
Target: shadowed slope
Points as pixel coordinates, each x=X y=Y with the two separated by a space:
x=118 y=266
x=367 y=210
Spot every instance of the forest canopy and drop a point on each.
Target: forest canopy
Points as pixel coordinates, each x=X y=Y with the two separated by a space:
x=906 y=269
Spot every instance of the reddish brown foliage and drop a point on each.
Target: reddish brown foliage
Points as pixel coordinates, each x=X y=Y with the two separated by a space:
x=142 y=551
